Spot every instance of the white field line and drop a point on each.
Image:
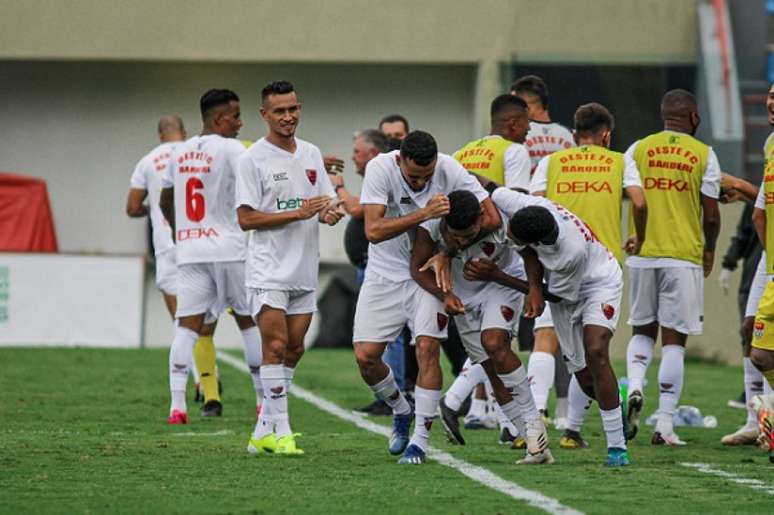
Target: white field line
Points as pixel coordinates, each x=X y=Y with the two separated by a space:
x=474 y=472
x=222 y=432
x=755 y=484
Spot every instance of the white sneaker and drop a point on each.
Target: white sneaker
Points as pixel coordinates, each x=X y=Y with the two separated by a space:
x=745 y=435
x=476 y=422
x=667 y=438
x=537 y=437
x=542 y=458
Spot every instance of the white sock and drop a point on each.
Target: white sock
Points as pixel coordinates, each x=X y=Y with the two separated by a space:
x=275 y=403
x=517 y=383
x=541 y=377
x=477 y=407
x=254 y=356
x=639 y=354
x=463 y=385
x=425 y=411
x=753 y=385
x=578 y=404
x=612 y=423
x=670 y=382
x=180 y=360
x=560 y=411
x=289 y=373
x=387 y=390
x=502 y=418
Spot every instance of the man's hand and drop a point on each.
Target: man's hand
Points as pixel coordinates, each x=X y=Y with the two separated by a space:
x=437 y=207
x=481 y=270
x=632 y=245
x=709 y=259
x=336 y=180
x=441 y=265
x=312 y=206
x=534 y=304
x=333 y=164
x=453 y=305
x=332 y=213
x=725 y=280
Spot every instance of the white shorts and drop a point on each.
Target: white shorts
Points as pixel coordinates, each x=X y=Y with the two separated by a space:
x=384 y=307
x=601 y=307
x=671 y=296
x=291 y=302
x=210 y=288
x=545 y=320
x=500 y=310
x=759 y=282
x=166 y=272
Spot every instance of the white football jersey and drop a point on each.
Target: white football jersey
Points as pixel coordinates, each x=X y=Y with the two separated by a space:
x=494 y=246
x=385 y=185
x=577 y=263
x=202 y=171
x=147 y=176
x=272 y=180
x=545 y=138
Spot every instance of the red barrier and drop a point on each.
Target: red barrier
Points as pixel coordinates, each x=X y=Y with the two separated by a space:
x=26 y=224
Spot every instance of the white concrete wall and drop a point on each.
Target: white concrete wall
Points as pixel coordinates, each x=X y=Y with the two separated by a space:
x=82 y=126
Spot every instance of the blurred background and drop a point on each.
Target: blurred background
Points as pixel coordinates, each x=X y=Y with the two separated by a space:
x=84 y=82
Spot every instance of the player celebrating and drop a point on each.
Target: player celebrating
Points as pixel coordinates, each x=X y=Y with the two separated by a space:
x=282 y=193
x=590 y=181
x=197 y=202
x=486 y=308
x=586 y=275
x=681 y=177
x=402 y=189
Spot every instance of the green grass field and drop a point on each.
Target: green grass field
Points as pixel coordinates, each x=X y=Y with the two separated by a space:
x=83 y=431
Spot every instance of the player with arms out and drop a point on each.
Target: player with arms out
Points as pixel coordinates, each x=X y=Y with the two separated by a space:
x=590 y=180
x=283 y=193
x=197 y=201
x=401 y=190
x=486 y=307
x=681 y=179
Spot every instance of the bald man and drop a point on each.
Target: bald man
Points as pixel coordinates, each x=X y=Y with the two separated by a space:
x=681 y=179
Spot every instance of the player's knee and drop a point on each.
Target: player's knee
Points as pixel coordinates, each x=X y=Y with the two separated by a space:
x=762 y=359
x=366 y=357
x=274 y=350
x=597 y=354
x=428 y=351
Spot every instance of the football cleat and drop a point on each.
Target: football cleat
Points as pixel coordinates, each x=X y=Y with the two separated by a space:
x=537 y=437
x=177 y=417
x=633 y=414
x=745 y=435
x=764 y=408
x=399 y=438
x=545 y=418
x=738 y=403
x=542 y=458
x=198 y=393
x=474 y=422
x=414 y=455
x=212 y=409
x=617 y=457
x=450 y=422
x=287 y=445
x=670 y=439
x=519 y=443
x=572 y=440
x=267 y=444
x=506 y=437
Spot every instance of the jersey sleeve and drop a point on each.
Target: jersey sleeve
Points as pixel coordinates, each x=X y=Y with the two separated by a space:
x=139 y=180
x=630 y=151
x=760 y=200
x=710 y=183
x=376 y=184
x=461 y=179
x=540 y=178
x=433 y=228
x=517 y=167
x=631 y=175
x=510 y=201
x=248 y=190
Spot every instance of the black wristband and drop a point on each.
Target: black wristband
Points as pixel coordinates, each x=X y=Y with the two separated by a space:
x=491 y=187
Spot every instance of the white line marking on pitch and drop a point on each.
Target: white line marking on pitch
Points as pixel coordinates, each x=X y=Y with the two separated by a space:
x=222 y=432
x=755 y=484
x=474 y=472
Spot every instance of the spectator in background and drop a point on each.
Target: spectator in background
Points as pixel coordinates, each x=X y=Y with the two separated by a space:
x=394 y=126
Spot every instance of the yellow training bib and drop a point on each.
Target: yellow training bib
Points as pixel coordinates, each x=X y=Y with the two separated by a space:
x=672 y=167
x=768 y=191
x=485 y=157
x=588 y=180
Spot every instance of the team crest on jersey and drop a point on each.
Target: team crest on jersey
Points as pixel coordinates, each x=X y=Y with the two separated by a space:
x=608 y=311
x=429 y=424
x=277 y=390
x=758 y=329
x=311 y=174
x=487 y=247
x=442 y=320
x=507 y=313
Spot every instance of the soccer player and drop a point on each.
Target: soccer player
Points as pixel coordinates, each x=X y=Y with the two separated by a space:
x=394 y=126
x=762 y=353
x=681 y=178
x=486 y=307
x=282 y=194
x=197 y=201
x=401 y=190
x=544 y=138
x=501 y=156
x=590 y=181
x=586 y=275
